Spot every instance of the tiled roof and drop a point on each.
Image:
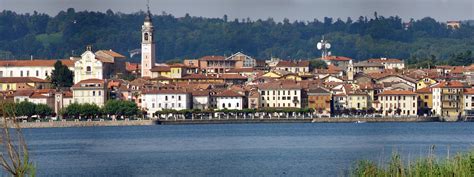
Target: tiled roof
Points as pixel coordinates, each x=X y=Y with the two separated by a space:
x=397 y=92
x=212 y=57
x=279 y=86
x=132 y=66
x=200 y=93
x=228 y=93
x=160 y=69
x=240 y=70
x=23 y=93
x=368 y=64
x=337 y=58
x=26 y=63
x=469 y=91
x=112 y=53
x=293 y=64
x=104 y=59
x=318 y=90
x=89 y=81
x=450 y=84
x=384 y=60
x=424 y=90
x=167 y=91
x=22 y=80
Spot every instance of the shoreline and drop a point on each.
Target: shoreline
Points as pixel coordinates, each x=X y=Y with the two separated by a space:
x=102 y=123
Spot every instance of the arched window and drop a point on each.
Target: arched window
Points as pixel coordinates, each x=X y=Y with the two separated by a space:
x=88 y=69
x=146 y=36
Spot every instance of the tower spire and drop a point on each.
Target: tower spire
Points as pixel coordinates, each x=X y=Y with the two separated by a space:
x=148 y=14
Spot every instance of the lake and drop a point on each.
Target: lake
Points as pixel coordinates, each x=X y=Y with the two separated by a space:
x=306 y=149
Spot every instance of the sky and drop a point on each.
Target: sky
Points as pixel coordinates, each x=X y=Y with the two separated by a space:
x=302 y=10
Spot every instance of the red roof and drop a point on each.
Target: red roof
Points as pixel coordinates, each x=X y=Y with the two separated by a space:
x=212 y=57
x=113 y=53
x=89 y=81
x=160 y=69
x=132 y=66
x=450 y=84
x=469 y=91
x=228 y=93
x=397 y=92
x=293 y=64
x=19 y=63
x=424 y=90
x=337 y=58
x=164 y=91
x=22 y=80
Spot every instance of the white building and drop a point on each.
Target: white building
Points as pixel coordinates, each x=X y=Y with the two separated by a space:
x=88 y=67
x=157 y=100
x=229 y=99
x=403 y=100
x=389 y=63
x=31 y=68
x=469 y=102
x=92 y=91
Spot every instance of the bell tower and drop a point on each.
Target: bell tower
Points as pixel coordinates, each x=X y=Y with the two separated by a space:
x=148 y=45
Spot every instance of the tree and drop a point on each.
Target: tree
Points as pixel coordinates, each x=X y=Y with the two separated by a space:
x=25 y=108
x=43 y=110
x=61 y=76
x=398 y=111
x=318 y=64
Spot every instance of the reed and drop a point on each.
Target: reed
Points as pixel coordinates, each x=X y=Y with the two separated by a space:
x=461 y=165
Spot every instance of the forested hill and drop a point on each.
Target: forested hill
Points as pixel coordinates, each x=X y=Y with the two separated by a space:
x=43 y=36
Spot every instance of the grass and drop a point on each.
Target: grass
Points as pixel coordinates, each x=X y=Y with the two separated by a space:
x=461 y=165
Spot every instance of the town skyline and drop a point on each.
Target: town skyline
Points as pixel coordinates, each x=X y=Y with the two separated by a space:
x=300 y=10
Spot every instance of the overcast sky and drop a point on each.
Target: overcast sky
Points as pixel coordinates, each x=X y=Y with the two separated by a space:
x=442 y=10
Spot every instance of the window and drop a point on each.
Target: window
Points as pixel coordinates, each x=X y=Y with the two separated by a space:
x=263 y=92
x=223 y=105
x=172 y=105
x=21 y=73
x=27 y=73
x=228 y=104
x=179 y=98
x=88 y=69
x=295 y=92
x=179 y=105
x=11 y=73
x=37 y=73
x=237 y=104
x=166 y=98
x=93 y=93
x=152 y=105
x=100 y=93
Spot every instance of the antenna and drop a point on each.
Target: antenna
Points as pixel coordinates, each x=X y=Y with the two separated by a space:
x=148 y=5
x=324 y=46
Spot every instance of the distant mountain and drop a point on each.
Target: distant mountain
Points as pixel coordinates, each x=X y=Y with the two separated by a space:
x=67 y=33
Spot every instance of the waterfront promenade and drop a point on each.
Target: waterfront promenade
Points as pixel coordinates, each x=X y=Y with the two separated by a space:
x=148 y=122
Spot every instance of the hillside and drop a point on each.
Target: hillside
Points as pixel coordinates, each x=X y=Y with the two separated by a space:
x=67 y=33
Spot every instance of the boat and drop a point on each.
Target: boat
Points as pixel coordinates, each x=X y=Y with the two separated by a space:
x=359 y=122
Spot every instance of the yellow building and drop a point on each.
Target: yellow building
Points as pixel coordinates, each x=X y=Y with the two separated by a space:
x=425 y=82
x=425 y=97
x=357 y=100
x=447 y=99
x=22 y=83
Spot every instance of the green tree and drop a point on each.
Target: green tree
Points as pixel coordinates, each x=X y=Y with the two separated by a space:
x=25 y=108
x=61 y=76
x=43 y=110
x=318 y=64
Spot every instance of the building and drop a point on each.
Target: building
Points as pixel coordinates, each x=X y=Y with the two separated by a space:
x=247 y=61
x=158 y=100
x=367 y=67
x=425 y=100
x=338 y=61
x=398 y=102
x=22 y=83
x=201 y=99
x=447 y=99
x=425 y=82
x=319 y=99
x=92 y=91
x=148 y=46
x=468 y=102
x=280 y=95
x=453 y=24
x=41 y=69
x=88 y=67
x=253 y=99
x=229 y=99
x=358 y=100
x=293 y=66
x=389 y=63
x=62 y=100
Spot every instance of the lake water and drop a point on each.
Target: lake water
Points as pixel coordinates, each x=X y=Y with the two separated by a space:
x=326 y=149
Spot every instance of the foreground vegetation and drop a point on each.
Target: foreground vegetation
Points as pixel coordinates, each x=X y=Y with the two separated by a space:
x=461 y=165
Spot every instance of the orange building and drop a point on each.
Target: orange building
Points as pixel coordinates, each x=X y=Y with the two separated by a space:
x=319 y=99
